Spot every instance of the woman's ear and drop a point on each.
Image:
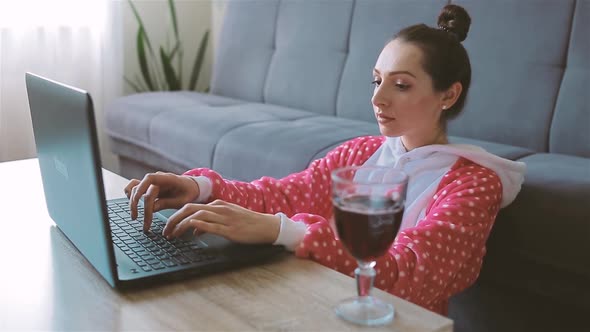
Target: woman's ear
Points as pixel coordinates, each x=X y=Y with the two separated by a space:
x=449 y=97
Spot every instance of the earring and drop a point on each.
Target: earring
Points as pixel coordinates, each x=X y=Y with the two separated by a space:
x=444 y=107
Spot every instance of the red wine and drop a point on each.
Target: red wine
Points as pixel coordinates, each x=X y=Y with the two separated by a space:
x=367 y=226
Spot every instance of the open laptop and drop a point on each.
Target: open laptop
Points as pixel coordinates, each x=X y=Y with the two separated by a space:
x=67 y=148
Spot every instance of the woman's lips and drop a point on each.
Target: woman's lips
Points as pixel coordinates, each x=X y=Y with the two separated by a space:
x=384 y=119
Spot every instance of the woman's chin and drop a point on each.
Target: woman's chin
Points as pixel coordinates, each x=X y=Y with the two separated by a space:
x=386 y=131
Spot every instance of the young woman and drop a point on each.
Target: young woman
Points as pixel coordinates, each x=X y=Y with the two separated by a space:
x=421 y=80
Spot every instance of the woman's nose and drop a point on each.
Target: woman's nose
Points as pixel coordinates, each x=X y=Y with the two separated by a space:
x=379 y=98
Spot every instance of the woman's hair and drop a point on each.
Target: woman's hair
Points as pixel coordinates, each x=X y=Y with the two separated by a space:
x=444 y=57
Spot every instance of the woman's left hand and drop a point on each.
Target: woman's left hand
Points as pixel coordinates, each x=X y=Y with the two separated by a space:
x=231 y=221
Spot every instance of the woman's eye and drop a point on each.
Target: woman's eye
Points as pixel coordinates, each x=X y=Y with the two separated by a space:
x=402 y=87
x=376 y=82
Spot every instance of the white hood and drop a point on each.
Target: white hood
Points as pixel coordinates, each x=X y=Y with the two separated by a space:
x=511 y=173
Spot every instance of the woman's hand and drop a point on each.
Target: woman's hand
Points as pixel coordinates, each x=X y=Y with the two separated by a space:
x=160 y=191
x=231 y=221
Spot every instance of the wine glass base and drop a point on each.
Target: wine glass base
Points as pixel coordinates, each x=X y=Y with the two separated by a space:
x=366 y=311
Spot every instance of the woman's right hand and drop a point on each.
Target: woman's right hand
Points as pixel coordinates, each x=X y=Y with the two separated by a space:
x=160 y=191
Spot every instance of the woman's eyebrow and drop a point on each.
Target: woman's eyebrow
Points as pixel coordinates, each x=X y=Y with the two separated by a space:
x=395 y=72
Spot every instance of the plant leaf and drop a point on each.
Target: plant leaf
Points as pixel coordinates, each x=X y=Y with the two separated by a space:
x=158 y=83
x=180 y=56
x=132 y=85
x=143 y=64
x=141 y=25
x=169 y=73
x=172 y=7
x=174 y=20
x=173 y=52
x=198 y=61
x=177 y=51
x=141 y=85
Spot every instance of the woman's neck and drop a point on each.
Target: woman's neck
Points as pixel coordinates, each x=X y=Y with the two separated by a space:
x=410 y=143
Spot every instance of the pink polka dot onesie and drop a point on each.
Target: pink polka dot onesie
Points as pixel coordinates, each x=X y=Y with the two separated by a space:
x=454 y=193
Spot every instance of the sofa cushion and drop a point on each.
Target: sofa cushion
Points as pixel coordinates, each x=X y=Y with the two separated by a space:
x=540 y=241
x=517 y=60
x=199 y=131
x=502 y=150
x=311 y=46
x=278 y=148
x=570 y=129
x=245 y=50
x=129 y=118
x=185 y=127
x=152 y=161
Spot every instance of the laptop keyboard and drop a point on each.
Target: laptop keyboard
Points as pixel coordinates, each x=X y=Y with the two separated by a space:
x=151 y=251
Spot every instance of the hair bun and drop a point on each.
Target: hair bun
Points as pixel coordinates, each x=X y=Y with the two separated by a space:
x=455 y=20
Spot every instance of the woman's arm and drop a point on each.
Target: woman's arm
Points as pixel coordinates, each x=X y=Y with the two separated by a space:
x=306 y=191
x=440 y=256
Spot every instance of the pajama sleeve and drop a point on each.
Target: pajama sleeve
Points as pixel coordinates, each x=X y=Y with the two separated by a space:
x=306 y=191
x=437 y=258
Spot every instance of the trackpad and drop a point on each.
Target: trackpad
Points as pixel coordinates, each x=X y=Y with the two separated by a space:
x=212 y=241
x=202 y=241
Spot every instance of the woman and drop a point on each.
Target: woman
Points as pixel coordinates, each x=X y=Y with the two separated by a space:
x=421 y=80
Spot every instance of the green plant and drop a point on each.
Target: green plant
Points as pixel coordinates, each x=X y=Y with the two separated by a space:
x=163 y=73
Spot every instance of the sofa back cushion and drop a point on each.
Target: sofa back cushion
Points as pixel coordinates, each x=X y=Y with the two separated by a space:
x=517 y=51
x=311 y=44
x=245 y=48
x=570 y=129
x=317 y=55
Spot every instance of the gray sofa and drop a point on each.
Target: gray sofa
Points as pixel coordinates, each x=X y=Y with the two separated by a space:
x=291 y=80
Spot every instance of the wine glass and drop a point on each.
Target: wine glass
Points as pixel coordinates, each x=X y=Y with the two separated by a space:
x=368 y=210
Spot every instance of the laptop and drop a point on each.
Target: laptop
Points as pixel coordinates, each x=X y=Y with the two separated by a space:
x=116 y=246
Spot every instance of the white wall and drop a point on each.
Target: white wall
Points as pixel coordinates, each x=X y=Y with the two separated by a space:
x=194 y=18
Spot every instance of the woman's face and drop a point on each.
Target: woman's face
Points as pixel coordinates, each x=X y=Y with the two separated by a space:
x=404 y=100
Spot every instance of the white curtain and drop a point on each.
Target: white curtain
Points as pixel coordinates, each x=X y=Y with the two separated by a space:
x=77 y=42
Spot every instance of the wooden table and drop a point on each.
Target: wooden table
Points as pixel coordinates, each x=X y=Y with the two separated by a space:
x=47 y=285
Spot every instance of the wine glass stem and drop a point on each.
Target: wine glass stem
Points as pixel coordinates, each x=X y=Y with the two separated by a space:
x=365 y=274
